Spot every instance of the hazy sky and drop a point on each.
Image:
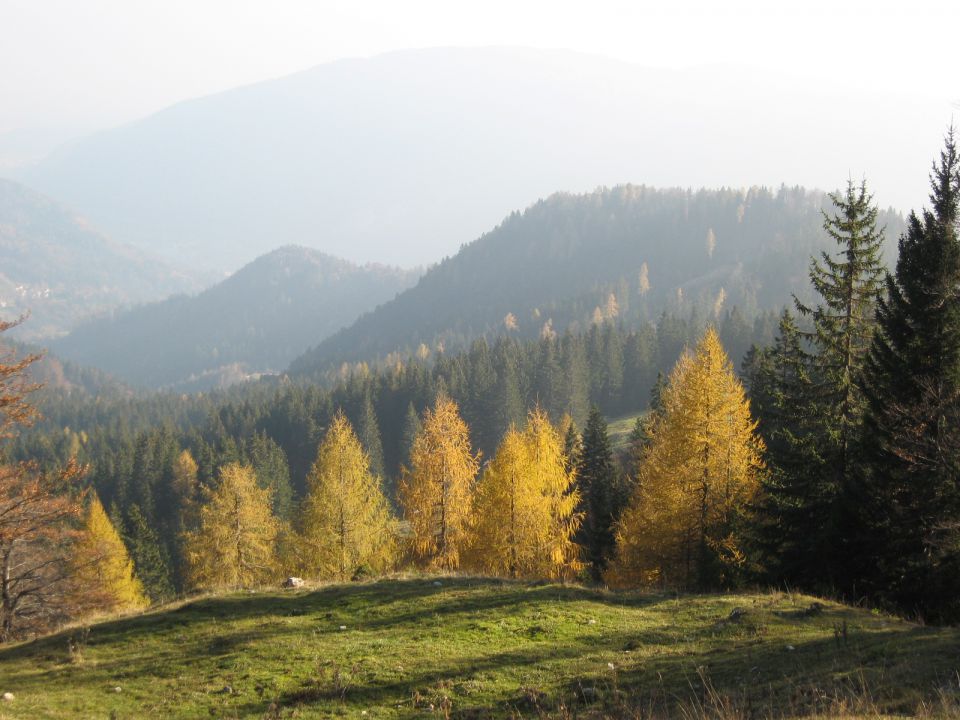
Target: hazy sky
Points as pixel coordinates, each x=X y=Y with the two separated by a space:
x=96 y=63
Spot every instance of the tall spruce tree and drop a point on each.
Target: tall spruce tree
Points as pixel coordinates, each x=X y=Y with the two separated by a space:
x=597 y=484
x=910 y=497
x=273 y=473
x=150 y=557
x=849 y=287
x=572 y=443
x=369 y=432
x=411 y=428
x=508 y=405
x=791 y=507
x=814 y=405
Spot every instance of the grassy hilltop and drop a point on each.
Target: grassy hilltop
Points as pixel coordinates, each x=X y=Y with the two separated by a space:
x=477 y=648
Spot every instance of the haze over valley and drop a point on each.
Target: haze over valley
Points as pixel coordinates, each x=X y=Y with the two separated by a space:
x=403 y=157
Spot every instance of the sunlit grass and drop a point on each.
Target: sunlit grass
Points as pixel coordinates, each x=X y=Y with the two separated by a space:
x=475 y=648
x=619 y=429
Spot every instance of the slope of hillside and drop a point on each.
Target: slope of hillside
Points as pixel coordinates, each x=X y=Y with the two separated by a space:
x=626 y=253
x=401 y=158
x=485 y=648
x=60 y=269
x=255 y=321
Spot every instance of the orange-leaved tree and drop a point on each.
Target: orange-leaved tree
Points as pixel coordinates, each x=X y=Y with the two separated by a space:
x=37 y=515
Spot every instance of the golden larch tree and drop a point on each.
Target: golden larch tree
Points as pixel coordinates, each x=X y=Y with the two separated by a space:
x=234 y=543
x=436 y=493
x=506 y=511
x=558 y=554
x=345 y=519
x=187 y=498
x=103 y=565
x=524 y=514
x=697 y=475
x=186 y=489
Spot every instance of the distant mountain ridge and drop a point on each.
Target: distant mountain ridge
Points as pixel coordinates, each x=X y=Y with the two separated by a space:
x=57 y=267
x=255 y=321
x=623 y=255
x=403 y=157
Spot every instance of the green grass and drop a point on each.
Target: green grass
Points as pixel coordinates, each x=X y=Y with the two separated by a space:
x=476 y=648
x=619 y=429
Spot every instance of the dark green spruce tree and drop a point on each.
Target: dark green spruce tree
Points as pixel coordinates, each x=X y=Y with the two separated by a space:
x=597 y=482
x=791 y=501
x=639 y=436
x=150 y=558
x=910 y=494
x=812 y=406
x=849 y=286
x=368 y=429
x=411 y=428
x=572 y=446
x=273 y=472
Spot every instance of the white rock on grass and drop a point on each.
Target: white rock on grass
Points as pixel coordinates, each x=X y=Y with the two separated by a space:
x=7 y=697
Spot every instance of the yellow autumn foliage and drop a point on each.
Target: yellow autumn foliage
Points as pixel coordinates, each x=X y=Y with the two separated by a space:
x=696 y=477
x=104 y=568
x=234 y=543
x=436 y=493
x=525 y=507
x=345 y=518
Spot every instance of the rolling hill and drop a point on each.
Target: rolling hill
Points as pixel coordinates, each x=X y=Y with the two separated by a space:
x=57 y=267
x=625 y=254
x=253 y=322
x=460 y=647
x=403 y=157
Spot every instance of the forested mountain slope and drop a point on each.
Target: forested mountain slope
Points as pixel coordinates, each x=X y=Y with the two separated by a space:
x=255 y=321
x=54 y=265
x=624 y=254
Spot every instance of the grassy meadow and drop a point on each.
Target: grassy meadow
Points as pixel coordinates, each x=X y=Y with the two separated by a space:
x=463 y=647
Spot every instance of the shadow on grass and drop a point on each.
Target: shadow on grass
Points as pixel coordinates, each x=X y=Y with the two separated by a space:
x=748 y=662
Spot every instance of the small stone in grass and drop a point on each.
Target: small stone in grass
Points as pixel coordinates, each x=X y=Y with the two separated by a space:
x=437 y=583
x=790 y=648
x=343 y=627
x=8 y=697
x=117 y=689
